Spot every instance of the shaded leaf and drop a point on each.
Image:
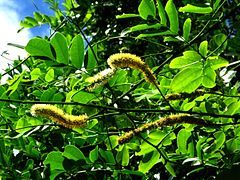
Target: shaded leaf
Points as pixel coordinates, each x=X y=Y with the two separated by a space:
x=93 y=155
x=72 y=152
x=83 y=97
x=148 y=161
x=55 y=160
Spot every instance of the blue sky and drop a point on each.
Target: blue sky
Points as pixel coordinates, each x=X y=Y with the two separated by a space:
x=11 y=13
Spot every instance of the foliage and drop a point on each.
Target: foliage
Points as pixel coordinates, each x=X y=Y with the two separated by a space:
x=190 y=45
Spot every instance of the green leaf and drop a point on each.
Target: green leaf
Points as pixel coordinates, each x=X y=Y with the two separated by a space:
x=83 y=97
x=35 y=73
x=170 y=169
x=233 y=145
x=92 y=61
x=189 y=58
x=31 y=20
x=72 y=152
x=21 y=124
x=50 y=75
x=217 y=62
x=38 y=16
x=147 y=8
x=123 y=156
x=148 y=161
x=55 y=160
x=47 y=95
x=182 y=138
x=220 y=138
x=161 y=13
x=203 y=48
x=209 y=77
x=141 y=27
x=172 y=16
x=108 y=156
x=39 y=47
x=187 y=29
x=187 y=80
x=59 y=44
x=15 y=82
x=195 y=9
x=77 y=51
x=124 y=16
x=155 y=34
x=93 y=155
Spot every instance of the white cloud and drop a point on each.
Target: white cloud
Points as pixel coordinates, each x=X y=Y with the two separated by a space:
x=9 y=20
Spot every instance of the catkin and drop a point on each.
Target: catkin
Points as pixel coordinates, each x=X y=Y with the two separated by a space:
x=165 y=121
x=57 y=115
x=100 y=78
x=123 y=60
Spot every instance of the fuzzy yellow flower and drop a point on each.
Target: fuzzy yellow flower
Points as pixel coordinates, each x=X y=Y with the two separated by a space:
x=100 y=78
x=57 y=115
x=123 y=60
x=165 y=121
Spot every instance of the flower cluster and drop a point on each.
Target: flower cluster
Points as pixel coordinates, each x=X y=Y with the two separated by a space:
x=165 y=121
x=57 y=115
x=100 y=78
x=121 y=60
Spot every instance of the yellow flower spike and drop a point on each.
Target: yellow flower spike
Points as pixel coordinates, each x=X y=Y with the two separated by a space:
x=123 y=60
x=165 y=121
x=100 y=78
x=58 y=116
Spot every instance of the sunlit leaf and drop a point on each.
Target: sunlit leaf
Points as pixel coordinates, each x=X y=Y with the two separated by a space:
x=39 y=47
x=195 y=9
x=147 y=8
x=172 y=16
x=60 y=46
x=187 y=29
x=187 y=80
x=77 y=51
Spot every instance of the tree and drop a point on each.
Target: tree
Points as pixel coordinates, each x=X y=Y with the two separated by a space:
x=181 y=121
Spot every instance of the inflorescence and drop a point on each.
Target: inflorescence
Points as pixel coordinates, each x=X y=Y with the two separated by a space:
x=165 y=121
x=57 y=115
x=121 y=60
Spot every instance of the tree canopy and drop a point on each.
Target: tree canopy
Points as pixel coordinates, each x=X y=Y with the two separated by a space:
x=125 y=89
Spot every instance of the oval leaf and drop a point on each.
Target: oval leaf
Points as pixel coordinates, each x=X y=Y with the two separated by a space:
x=147 y=8
x=203 y=48
x=72 y=152
x=77 y=51
x=59 y=44
x=187 y=80
x=39 y=47
x=50 y=75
